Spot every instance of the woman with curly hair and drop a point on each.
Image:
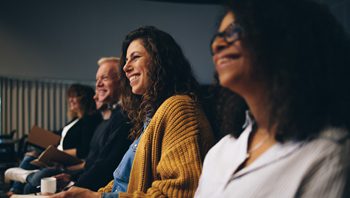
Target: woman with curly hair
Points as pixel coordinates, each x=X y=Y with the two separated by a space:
x=171 y=132
x=289 y=60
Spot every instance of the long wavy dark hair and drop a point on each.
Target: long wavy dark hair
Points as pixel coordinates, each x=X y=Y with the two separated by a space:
x=225 y=109
x=302 y=54
x=169 y=73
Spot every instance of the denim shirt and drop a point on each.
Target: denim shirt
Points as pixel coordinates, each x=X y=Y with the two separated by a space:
x=122 y=173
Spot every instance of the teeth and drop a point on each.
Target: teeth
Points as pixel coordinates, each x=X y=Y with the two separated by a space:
x=132 y=78
x=223 y=60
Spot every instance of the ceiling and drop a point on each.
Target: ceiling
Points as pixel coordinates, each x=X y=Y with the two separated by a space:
x=190 y=1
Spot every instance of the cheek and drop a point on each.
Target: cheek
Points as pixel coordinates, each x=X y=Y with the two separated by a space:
x=109 y=85
x=146 y=80
x=146 y=73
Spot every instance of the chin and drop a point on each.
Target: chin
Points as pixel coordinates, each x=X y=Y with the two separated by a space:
x=228 y=83
x=136 y=92
x=224 y=82
x=104 y=97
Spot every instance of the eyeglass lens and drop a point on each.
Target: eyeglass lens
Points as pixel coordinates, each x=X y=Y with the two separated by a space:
x=230 y=35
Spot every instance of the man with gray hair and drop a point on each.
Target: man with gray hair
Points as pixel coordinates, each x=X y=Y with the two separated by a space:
x=110 y=140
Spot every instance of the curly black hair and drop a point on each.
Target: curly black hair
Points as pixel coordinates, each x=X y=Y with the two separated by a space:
x=302 y=54
x=169 y=73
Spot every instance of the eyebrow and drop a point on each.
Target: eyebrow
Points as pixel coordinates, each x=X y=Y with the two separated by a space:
x=132 y=54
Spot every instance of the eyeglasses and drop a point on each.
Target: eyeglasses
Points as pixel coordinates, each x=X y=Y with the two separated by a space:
x=230 y=35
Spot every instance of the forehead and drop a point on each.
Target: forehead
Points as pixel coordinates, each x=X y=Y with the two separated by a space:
x=226 y=21
x=108 y=67
x=135 y=46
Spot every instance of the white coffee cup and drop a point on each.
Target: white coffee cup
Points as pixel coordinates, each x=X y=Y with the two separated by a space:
x=48 y=185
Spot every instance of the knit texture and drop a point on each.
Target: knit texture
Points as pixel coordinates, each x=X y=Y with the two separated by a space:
x=168 y=159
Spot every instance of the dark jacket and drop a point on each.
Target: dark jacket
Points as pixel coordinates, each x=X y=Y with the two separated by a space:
x=80 y=134
x=105 y=157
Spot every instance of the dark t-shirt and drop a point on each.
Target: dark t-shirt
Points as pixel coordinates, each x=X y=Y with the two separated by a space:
x=109 y=147
x=97 y=142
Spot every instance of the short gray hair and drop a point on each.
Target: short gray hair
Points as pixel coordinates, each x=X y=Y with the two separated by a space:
x=108 y=59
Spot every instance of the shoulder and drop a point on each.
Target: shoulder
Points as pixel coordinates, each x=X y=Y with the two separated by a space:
x=119 y=114
x=177 y=101
x=219 y=149
x=177 y=107
x=331 y=143
x=326 y=161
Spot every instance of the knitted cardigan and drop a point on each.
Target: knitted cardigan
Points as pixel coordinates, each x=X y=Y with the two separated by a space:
x=168 y=159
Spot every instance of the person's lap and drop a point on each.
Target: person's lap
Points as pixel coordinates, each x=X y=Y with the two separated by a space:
x=17 y=187
x=34 y=179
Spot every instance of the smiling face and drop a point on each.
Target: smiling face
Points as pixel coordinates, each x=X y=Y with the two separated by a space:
x=137 y=67
x=73 y=103
x=106 y=82
x=230 y=59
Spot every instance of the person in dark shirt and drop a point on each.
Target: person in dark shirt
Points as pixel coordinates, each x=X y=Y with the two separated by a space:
x=110 y=140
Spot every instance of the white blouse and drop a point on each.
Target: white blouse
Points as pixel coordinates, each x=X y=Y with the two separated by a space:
x=293 y=169
x=64 y=133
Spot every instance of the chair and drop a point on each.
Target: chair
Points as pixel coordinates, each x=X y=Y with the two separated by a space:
x=9 y=135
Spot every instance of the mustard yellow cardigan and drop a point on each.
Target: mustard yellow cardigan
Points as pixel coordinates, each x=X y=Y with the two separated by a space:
x=168 y=159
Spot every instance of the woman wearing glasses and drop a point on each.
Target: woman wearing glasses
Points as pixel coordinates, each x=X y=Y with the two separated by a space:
x=288 y=60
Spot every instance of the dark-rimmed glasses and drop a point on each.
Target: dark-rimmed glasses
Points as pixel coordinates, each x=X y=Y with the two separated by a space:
x=230 y=35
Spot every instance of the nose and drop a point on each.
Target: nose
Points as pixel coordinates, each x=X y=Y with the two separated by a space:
x=218 y=45
x=99 y=82
x=127 y=67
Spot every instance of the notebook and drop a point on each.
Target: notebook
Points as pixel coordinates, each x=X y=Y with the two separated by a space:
x=43 y=138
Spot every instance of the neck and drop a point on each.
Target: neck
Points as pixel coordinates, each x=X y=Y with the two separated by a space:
x=106 y=114
x=80 y=114
x=257 y=106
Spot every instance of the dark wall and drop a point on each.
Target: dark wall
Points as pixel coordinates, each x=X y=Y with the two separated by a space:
x=341 y=10
x=64 y=39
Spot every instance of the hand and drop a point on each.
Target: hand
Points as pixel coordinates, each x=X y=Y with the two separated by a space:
x=77 y=192
x=63 y=180
x=72 y=152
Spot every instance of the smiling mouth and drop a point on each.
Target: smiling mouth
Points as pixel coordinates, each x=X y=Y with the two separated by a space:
x=134 y=78
x=228 y=58
x=100 y=91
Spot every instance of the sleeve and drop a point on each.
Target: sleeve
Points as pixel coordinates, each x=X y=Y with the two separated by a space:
x=107 y=161
x=329 y=177
x=107 y=188
x=110 y=195
x=179 y=167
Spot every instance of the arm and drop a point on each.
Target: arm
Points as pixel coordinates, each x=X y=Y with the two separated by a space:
x=108 y=188
x=76 y=167
x=76 y=192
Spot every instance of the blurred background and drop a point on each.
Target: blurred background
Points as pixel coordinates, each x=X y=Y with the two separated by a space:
x=45 y=45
